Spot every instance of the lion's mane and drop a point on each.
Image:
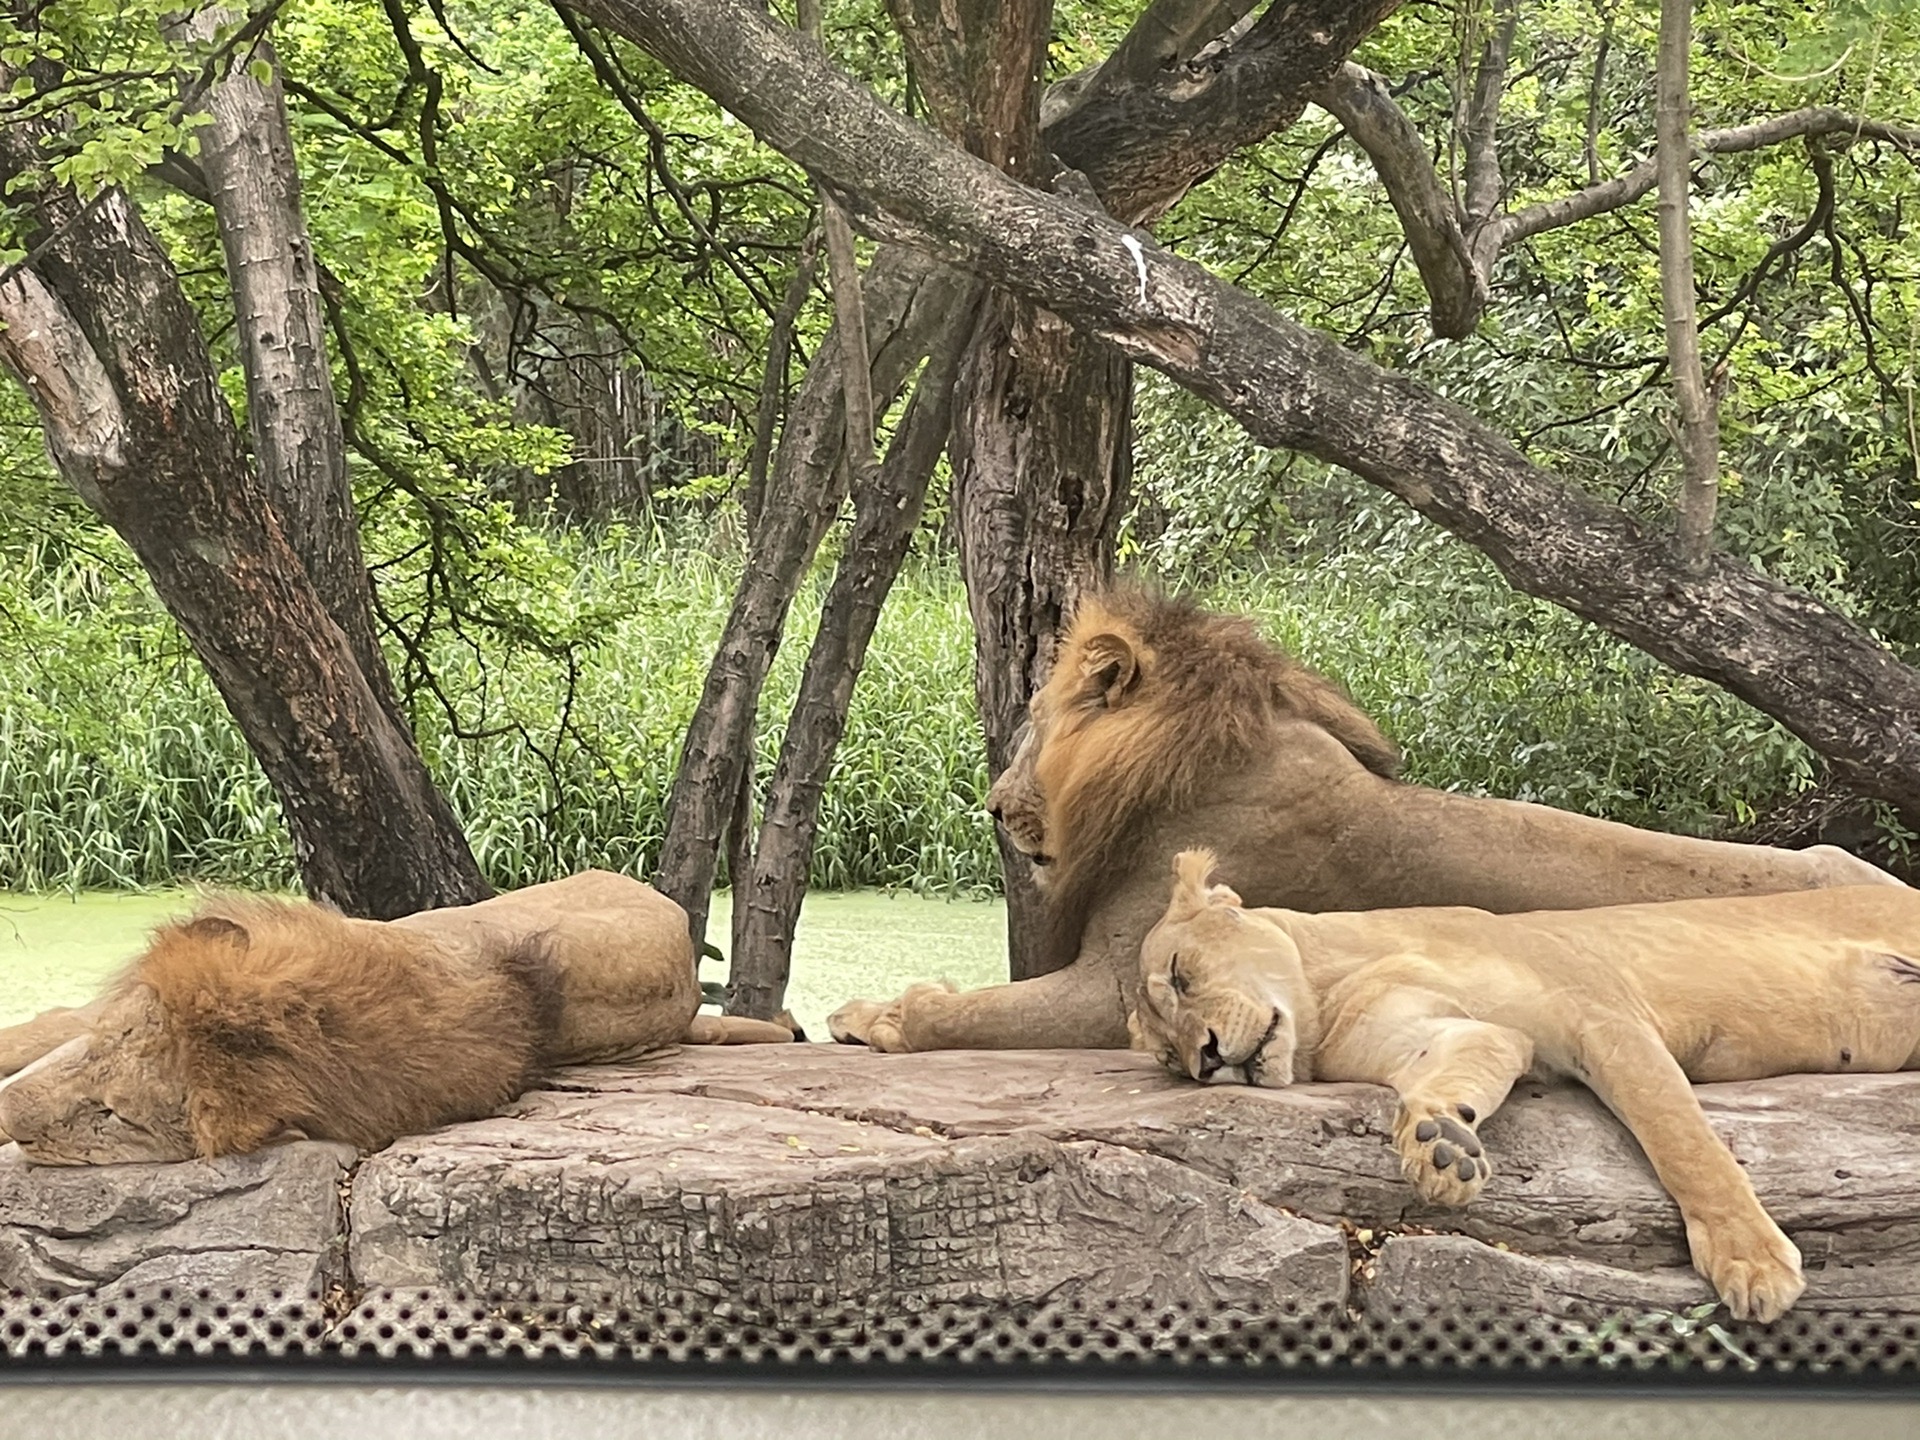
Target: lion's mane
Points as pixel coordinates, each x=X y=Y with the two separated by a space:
x=289 y=1014
x=1211 y=693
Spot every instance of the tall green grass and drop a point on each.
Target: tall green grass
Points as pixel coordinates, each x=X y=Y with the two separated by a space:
x=120 y=768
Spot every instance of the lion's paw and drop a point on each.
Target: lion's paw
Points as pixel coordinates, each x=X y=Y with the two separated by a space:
x=853 y=1022
x=1440 y=1154
x=1751 y=1263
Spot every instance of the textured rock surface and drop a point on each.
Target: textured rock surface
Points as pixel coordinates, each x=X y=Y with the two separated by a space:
x=643 y=1195
x=261 y=1223
x=777 y=1178
x=949 y=1175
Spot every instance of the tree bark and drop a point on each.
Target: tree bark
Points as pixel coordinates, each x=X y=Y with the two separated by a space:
x=906 y=299
x=1042 y=462
x=1698 y=430
x=766 y=906
x=1041 y=449
x=1193 y=82
x=300 y=451
x=109 y=347
x=1775 y=647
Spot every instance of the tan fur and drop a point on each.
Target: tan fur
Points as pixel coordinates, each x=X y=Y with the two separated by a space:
x=259 y=1018
x=1162 y=727
x=1451 y=1006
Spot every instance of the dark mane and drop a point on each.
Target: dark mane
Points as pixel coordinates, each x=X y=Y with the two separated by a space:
x=1212 y=696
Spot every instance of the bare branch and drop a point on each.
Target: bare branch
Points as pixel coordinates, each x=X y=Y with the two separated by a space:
x=849 y=311
x=1591 y=144
x=1483 y=119
x=1698 y=434
x=850 y=315
x=773 y=387
x=1456 y=286
x=1627 y=188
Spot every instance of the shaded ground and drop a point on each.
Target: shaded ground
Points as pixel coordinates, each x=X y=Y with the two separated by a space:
x=56 y=950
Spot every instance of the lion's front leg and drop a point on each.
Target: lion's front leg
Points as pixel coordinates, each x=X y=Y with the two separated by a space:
x=1745 y=1256
x=1078 y=1008
x=1450 y=1072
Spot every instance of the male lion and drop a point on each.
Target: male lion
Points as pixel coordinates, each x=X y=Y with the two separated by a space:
x=263 y=1018
x=1451 y=1006
x=1163 y=726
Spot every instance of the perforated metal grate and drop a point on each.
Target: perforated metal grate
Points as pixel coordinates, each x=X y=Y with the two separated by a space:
x=429 y=1326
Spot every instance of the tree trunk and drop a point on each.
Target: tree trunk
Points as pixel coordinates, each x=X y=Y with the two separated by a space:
x=1698 y=428
x=1041 y=446
x=1042 y=456
x=300 y=451
x=906 y=299
x=1775 y=647
x=109 y=347
x=766 y=907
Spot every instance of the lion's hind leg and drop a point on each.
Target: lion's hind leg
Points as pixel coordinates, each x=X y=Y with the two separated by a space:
x=1450 y=1071
x=1735 y=1244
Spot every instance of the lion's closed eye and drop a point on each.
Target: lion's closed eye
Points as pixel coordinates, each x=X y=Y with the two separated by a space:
x=1175 y=978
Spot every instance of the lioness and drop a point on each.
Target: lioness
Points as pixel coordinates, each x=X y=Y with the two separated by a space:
x=1451 y=1006
x=1163 y=726
x=262 y=1018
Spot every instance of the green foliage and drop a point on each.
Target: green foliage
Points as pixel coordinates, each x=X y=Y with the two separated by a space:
x=1821 y=350
x=118 y=765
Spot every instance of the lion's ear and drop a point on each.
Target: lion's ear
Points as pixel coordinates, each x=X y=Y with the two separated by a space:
x=217 y=930
x=1191 y=870
x=1109 y=668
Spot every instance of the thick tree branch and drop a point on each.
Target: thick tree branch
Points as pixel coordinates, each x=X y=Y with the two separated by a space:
x=1774 y=646
x=1168 y=32
x=1143 y=135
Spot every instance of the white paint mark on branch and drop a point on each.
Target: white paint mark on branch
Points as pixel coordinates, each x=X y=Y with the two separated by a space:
x=1139 y=263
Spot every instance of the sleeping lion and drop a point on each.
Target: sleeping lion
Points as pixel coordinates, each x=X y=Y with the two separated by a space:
x=1451 y=1006
x=264 y=1019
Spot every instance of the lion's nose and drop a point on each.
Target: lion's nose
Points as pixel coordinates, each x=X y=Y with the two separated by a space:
x=993 y=808
x=1210 y=1060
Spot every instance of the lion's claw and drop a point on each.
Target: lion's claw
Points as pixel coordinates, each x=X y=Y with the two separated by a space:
x=1441 y=1156
x=1751 y=1264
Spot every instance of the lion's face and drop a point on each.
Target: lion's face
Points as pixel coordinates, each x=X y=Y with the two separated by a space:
x=1017 y=803
x=1222 y=995
x=1093 y=679
x=109 y=1097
